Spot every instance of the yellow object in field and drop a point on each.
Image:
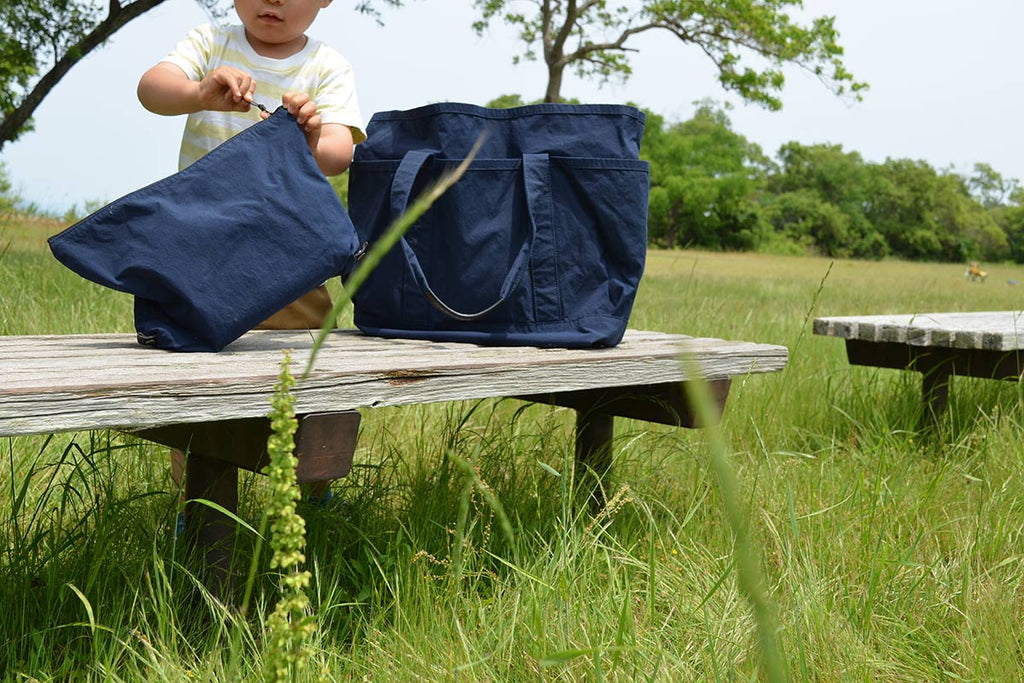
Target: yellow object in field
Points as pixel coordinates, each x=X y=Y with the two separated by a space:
x=974 y=273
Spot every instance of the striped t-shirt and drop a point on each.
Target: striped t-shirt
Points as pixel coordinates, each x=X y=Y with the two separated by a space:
x=318 y=70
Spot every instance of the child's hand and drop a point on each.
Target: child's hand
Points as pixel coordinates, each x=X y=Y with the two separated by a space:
x=330 y=143
x=226 y=89
x=303 y=109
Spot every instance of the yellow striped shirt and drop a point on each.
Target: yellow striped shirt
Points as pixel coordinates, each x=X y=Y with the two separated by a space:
x=317 y=69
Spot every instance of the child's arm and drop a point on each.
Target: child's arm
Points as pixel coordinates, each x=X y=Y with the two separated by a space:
x=331 y=143
x=165 y=89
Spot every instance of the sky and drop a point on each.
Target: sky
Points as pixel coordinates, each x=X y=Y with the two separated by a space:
x=946 y=86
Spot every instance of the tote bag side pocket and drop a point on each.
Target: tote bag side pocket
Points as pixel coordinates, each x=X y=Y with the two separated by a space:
x=602 y=228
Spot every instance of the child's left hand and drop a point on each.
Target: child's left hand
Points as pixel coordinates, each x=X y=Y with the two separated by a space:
x=331 y=145
x=303 y=109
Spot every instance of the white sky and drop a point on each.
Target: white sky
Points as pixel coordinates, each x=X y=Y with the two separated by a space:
x=947 y=86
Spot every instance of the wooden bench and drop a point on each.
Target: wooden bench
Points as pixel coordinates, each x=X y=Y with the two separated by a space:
x=214 y=405
x=938 y=345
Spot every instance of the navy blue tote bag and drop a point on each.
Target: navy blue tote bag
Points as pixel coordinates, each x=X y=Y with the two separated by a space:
x=215 y=249
x=541 y=243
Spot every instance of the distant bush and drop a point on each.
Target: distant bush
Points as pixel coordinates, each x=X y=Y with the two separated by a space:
x=7 y=197
x=713 y=188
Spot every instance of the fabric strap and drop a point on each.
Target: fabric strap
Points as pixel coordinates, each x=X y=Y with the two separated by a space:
x=537 y=185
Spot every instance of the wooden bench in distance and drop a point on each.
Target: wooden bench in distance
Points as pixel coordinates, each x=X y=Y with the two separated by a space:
x=938 y=345
x=215 y=404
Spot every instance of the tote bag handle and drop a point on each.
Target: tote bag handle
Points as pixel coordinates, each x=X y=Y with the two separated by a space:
x=536 y=175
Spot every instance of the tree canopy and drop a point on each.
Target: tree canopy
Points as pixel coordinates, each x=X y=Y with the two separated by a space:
x=712 y=188
x=704 y=177
x=749 y=41
x=40 y=40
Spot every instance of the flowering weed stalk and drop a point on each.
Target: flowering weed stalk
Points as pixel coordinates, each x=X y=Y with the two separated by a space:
x=291 y=625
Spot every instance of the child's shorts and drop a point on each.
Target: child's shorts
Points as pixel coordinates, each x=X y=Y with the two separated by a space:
x=307 y=312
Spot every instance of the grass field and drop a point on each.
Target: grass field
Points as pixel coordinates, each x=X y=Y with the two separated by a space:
x=888 y=555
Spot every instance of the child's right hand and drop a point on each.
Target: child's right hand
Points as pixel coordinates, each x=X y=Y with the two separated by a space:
x=227 y=89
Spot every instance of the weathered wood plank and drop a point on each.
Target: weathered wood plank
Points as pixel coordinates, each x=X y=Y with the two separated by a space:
x=76 y=382
x=985 y=330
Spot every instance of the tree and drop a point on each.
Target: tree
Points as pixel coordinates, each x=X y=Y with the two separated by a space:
x=802 y=219
x=594 y=38
x=704 y=178
x=7 y=197
x=837 y=176
x=927 y=215
x=506 y=101
x=989 y=186
x=41 y=40
x=822 y=198
x=1011 y=220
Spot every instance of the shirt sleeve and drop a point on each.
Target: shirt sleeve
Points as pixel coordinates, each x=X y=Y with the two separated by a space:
x=192 y=54
x=336 y=100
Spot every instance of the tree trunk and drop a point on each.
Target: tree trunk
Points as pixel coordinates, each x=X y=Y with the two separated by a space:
x=119 y=16
x=554 y=90
x=673 y=221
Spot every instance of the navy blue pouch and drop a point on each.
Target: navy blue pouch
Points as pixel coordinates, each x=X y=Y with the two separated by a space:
x=215 y=249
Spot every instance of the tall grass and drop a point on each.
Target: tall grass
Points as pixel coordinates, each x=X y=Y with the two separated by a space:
x=456 y=550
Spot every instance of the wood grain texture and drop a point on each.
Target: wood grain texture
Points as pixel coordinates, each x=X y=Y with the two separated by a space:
x=77 y=382
x=987 y=330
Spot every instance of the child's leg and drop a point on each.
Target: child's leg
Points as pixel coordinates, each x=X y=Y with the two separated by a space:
x=178 y=478
x=178 y=472
x=308 y=312
x=319 y=489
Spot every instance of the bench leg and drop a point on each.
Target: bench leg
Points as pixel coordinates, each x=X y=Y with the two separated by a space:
x=594 y=434
x=935 y=393
x=596 y=410
x=211 y=532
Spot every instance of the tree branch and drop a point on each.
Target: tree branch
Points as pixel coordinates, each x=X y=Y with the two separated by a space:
x=617 y=44
x=558 y=47
x=117 y=17
x=545 y=29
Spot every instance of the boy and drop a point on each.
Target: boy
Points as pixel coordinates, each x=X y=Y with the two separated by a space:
x=213 y=76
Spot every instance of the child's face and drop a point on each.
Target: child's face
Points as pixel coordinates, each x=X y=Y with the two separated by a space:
x=278 y=23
